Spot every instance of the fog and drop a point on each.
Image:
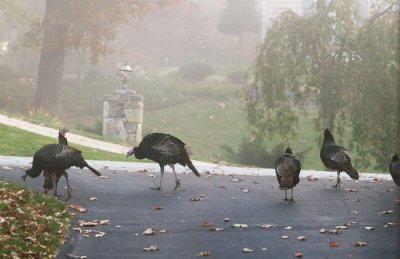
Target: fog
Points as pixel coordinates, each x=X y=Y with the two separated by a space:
x=237 y=80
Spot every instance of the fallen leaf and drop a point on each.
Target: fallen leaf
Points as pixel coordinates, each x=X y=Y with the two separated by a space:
x=223 y=186
x=298 y=254
x=274 y=186
x=162 y=231
x=390 y=190
x=149 y=231
x=7 y=168
x=203 y=253
x=236 y=180
x=76 y=256
x=157 y=207
x=369 y=228
x=248 y=250
x=266 y=226
x=386 y=212
x=396 y=202
x=216 y=229
x=104 y=222
x=196 y=198
x=311 y=178
x=333 y=244
x=78 y=207
x=288 y=228
x=246 y=190
x=351 y=190
x=227 y=219
x=335 y=231
x=205 y=224
x=151 y=175
x=301 y=238
x=92 y=198
x=360 y=243
x=88 y=223
x=341 y=227
x=236 y=225
x=118 y=226
x=100 y=234
x=285 y=237
x=323 y=231
x=104 y=177
x=151 y=248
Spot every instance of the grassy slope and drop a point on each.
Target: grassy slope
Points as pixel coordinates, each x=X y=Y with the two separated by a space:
x=16 y=142
x=191 y=122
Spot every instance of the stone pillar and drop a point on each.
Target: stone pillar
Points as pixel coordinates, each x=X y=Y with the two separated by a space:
x=123 y=115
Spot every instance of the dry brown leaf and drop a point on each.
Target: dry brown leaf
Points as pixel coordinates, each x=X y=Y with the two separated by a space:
x=351 y=190
x=88 y=223
x=196 y=198
x=335 y=231
x=237 y=225
x=266 y=226
x=151 y=248
x=216 y=229
x=323 y=231
x=104 y=222
x=396 y=202
x=301 y=238
x=227 y=219
x=369 y=228
x=360 y=243
x=104 y=177
x=205 y=224
x=223 y=186
x=341 y=227
x=162 y=231
x=390 y=190
x=246 y=191
x=285 y=237
x=92 y=198
x=333 y=244
x=100 y=234
x=248 y=250
x=157 y=207
x=386 y=212
x=203 y=253
x=288 y=228
x=298 y=254
x=78 y=207
x=149 y=231
x=7 y=168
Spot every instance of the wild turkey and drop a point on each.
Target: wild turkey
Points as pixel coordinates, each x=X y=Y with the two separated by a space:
x=394 y=169
x=287 y=168
x=165 y=150
x=51 y=178
x=336 y=157
x=56 y=158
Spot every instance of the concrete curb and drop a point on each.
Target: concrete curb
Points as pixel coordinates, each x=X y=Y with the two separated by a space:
x=201 y=166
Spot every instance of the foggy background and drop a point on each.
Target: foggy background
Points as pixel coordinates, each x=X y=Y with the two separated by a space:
x=237 y=80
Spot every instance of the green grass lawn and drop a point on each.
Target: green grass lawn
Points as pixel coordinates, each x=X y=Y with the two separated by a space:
x=16 y=142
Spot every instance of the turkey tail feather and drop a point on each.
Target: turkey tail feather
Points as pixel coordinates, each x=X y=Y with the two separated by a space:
x=33 y=173
x=352 y=173
x=93 y=170
x=191 y=166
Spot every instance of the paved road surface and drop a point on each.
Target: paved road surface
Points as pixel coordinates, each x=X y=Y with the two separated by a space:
x=126 y=201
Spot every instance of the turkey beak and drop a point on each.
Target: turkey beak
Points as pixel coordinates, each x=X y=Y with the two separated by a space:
x=129 y=153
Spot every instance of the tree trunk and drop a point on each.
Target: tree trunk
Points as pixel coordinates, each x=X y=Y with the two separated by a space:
x=51 y=66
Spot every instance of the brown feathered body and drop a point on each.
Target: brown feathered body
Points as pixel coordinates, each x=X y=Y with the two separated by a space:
x=164 y=149
x=287 y=169
x=336 y=157
x=394 y=169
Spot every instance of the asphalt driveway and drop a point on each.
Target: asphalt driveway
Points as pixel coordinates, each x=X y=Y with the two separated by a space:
x=191 y=221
